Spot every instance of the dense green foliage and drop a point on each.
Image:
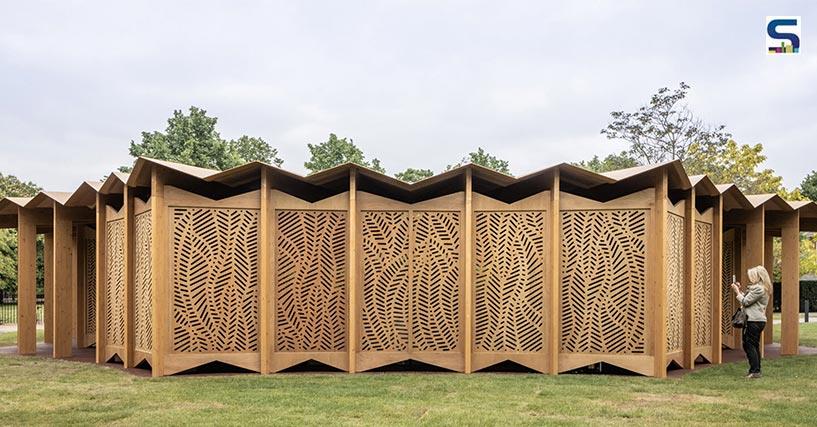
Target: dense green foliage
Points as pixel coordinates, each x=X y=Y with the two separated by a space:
x=414 y=175
x=337 y=151
x=612 y=162
x=11 y=186
x=192 y=139
x=809 y=186
x=485 y=159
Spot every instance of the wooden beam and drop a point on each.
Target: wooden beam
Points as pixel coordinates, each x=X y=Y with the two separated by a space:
x=63 y=295
x=129 y=359
x=657 y=265
x=790 y=287
x=469 y=265
x=717 y=277
x=553 y=280
x=352 y=270
x=101 y=223
x=688 y=356
x=160 y=273
x=264 y=275
x=26 y=282
x=48 y=287
x=768 y=262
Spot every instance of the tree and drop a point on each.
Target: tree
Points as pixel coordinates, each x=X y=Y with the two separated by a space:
x=413 y=175
x=735 y=163
x=337 y=151
x=664 y=129
x=612 y=162
x=809 y=186
x=482 y=158
x=192 y=139
x=11 y=186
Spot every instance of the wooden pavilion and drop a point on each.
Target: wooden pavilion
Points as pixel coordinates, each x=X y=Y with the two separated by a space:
x=174 y=267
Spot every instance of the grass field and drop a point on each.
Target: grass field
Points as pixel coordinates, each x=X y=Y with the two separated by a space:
x=44 y=391
x=10 y=338
x=808 y=334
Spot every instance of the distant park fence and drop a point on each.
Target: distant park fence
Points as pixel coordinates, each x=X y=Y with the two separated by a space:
x=8 y=308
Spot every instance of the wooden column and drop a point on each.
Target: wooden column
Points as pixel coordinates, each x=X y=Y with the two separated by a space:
x=717 y=277
x=768 y=262
x=26 y=282
x=74 y=283
x=790 y=286
x=553 y=279
x=63 y=291
x=266 y=320
x=755 y=247
x=658 y=285
x=48 y=286
x=130 y=295
x=160 y=273
x=688 y=356
x=101 y=277
x=352 y=281
x=469 y=265
x=80 y=274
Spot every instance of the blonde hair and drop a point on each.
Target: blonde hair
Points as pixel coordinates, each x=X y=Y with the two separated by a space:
x=760 y=275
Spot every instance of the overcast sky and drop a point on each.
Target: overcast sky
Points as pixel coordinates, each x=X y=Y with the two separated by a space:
x=414 y=83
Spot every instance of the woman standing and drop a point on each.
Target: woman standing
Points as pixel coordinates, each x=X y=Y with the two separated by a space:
x=754 y=303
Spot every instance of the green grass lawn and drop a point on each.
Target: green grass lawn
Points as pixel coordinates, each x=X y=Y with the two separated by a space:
x=10 y=338
x=808 y=334
x=44 y=391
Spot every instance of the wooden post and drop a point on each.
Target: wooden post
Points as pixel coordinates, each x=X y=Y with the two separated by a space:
x=755 y=246
x=74 y=284
x=130 y=295
x=101 y=277
x=768 y=262
x=553 y=279
x=26 y=282
x=48 y=287
x=264 y=274
x=352 y=281
x=469 y=265
x=688 y=356
x=160 y=273
x=717 y=277
x=80 y=274
x=790 y=286
x=657 y=264
x=63 y=295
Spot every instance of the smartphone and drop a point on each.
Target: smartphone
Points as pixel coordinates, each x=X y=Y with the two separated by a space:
x=733 y=279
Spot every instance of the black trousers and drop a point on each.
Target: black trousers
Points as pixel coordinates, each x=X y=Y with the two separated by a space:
x=751 y=344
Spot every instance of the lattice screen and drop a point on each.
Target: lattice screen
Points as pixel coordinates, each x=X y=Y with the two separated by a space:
x=143 y=288
x=385 y=256
x=435 y=281
x=90 y=290
x=703 y=284
x=675 y=282
x=603 y=287
x=115 y=283
x=311 y=280
x=215 y=278
x=727 y=297
x=509 y=281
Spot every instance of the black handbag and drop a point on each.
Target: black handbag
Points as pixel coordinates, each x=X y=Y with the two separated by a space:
x=739 y=319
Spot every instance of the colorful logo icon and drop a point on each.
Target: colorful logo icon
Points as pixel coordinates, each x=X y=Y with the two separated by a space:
x=783 y=34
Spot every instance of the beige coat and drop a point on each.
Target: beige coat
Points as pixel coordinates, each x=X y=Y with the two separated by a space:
x=754 y=302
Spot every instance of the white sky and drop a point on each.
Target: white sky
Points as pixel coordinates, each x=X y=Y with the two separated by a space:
x=414 y=83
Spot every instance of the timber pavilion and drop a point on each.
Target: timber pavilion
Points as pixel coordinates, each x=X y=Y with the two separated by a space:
x=176 y=267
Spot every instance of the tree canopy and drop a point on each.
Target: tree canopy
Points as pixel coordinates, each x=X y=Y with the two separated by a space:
x=612 y=162
x=11 y=186
x=809 y=186
x=193 y=139
x=337 y=151
x=413 y=175
x=485 y=159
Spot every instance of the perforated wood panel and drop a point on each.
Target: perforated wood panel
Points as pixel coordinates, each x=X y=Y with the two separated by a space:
x=508 y=281
x=115 y=283
x=90 y=290
x=215 y=277
x=675 y=282
x=385 y=260
x=435 y=281
x=142 y=285
x=703 y=284
x=727 y=296
x=603 y=281
x=311 y=268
